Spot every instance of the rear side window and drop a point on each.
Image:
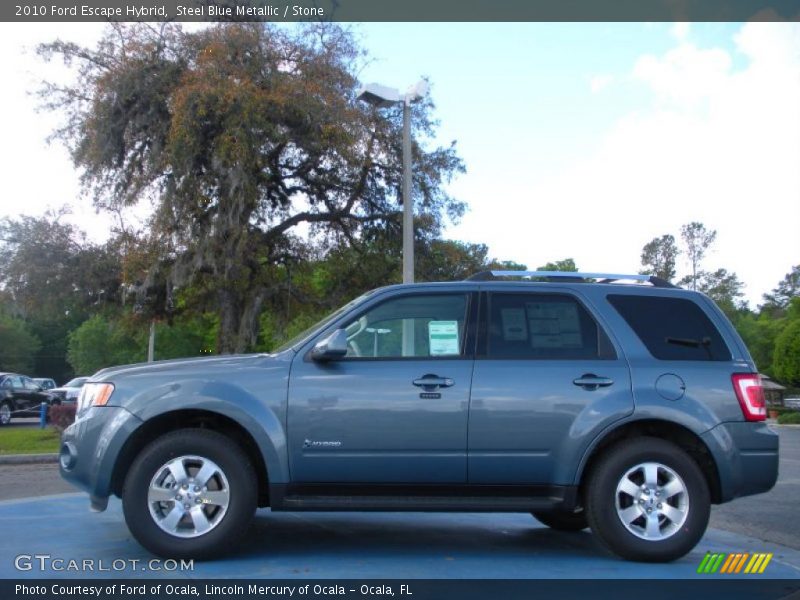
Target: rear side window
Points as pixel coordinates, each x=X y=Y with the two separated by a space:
x=543 y=326
x=672 y=328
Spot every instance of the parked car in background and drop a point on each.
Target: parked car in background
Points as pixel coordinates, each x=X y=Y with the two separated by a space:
x=70 y=391
x=20 y=396
x=792 y=402
x=45 y=383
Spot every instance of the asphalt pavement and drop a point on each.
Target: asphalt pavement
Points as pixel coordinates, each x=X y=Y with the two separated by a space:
x=772 y=516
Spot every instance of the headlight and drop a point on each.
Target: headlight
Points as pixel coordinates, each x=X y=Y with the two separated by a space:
x=94 y=394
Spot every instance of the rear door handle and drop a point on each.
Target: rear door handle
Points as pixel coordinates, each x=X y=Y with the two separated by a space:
x=590 y=381
x=433 y=381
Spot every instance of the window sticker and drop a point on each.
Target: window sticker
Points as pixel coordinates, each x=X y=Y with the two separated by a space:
x=443 y=338
x=554 y=325
x=514 y=327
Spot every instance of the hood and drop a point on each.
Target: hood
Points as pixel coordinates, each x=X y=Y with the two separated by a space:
x=178 y=365
x=196 y=382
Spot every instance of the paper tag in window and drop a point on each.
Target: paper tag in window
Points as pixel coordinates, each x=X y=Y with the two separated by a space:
x=443 y=338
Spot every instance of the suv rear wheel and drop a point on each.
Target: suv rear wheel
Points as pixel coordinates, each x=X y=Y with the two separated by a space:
x=563 y=521
x=189 y=494
x=647 y=500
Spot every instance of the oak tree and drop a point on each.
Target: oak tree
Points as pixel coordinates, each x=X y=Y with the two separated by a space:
x=247 y=138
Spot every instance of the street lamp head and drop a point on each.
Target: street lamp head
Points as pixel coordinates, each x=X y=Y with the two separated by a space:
x=379 y=95
x=417 y=91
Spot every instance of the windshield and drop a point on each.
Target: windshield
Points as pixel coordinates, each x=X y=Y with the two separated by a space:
x=76 y=383
x=295 y=341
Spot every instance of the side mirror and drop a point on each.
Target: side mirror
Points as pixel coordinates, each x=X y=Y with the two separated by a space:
x=332 y=347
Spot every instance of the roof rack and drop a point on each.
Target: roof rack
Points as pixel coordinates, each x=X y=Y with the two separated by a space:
x=572 y=276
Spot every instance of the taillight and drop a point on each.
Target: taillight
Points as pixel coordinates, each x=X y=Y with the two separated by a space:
x=750 y=393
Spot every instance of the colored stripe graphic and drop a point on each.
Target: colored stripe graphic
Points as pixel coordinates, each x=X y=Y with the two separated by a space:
x=727 y=566
x=765 y=563
x=741 y=562
x=703 y=563
x=733 y=563
x=717 y=563
x=753 y=562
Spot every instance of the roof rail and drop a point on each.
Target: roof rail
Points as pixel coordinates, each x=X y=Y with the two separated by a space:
x=572 y=276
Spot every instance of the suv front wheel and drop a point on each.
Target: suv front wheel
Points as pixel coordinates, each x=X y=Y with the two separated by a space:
x=190 y=494
x=647 y=500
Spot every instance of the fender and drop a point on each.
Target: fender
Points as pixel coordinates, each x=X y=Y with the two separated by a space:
x=229 y=400
x=642 y=414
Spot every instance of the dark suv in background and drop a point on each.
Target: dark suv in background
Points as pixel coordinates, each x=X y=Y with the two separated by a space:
x=587 y=401
x=20 y=396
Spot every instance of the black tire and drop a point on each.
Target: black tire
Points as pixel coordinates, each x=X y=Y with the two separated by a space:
x=563 y=521
x=241 y=480
x=601 y=500
x=5 y=406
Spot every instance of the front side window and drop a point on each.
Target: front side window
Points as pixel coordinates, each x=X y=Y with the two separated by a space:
x=545 y=327
x=418 y=326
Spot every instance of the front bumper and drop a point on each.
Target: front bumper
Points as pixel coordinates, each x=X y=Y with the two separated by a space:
x=90 y=447
x=746 y=455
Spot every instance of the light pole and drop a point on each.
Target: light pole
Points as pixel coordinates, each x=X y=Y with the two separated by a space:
x=376 y=331
x=381 y=96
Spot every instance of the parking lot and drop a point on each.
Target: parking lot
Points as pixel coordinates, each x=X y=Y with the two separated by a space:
x=386 y=545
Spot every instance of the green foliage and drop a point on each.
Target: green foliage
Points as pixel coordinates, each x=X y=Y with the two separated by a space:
x=18 y=346
x=659 y=256
x=789 y=287
x=105 y=341
x=188 y=336
x=100 y=342
x=568 y=265
x=786 y=359
x=789 y=418
x=51 y=272
x=758 y=332
x=722 y=287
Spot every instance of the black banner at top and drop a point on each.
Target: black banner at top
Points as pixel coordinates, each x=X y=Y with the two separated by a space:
x=399 y=10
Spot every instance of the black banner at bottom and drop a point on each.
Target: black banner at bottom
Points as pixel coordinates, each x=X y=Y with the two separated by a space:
x=411 y=589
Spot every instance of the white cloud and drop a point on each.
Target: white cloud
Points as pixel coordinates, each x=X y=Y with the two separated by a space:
x=600 y=82
x=716 y=145
x=680 y=30
x=685 y=74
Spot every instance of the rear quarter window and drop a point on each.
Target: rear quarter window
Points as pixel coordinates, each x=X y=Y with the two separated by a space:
x=672 y=328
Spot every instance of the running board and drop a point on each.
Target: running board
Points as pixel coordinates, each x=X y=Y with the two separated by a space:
x=456 y=498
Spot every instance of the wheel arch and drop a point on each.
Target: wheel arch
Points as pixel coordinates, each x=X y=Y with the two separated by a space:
x=191 y=418
x=670 y=431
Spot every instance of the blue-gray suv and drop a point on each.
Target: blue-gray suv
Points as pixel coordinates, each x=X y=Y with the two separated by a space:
x=615 y=402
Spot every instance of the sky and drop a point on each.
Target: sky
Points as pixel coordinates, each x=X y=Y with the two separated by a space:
x=580 y=140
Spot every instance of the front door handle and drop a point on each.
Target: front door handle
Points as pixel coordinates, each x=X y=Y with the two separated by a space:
x=590 y=381
x=431 y=382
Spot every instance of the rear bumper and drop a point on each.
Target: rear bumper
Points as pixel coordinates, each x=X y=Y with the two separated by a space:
x=746 y=455
x=89 y=450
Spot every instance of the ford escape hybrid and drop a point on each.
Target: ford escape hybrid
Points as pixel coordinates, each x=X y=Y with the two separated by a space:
x=614 y=402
